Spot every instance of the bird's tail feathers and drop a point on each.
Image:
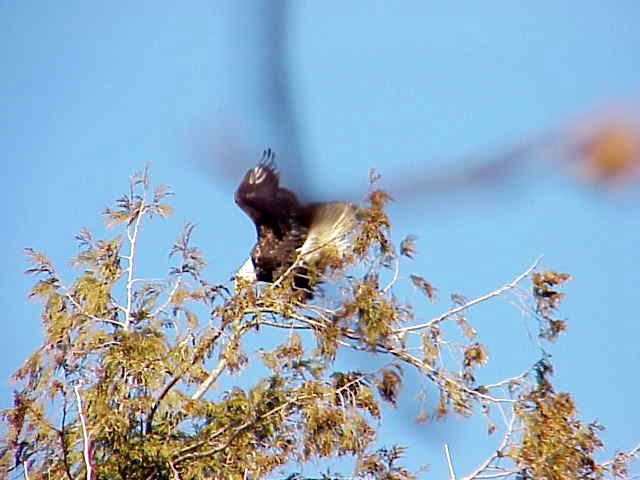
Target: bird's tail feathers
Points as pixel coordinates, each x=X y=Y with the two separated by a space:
x=333 y=226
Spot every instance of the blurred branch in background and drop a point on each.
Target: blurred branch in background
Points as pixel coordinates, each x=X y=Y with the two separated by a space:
x=606 y=150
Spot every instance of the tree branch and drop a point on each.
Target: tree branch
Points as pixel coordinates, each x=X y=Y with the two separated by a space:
x=447 y=456
x=86 y=451
x=169 y=297
x=68 y=295
x=503 y=444
x=176 y=378
x=222 y=364
x=25 y=469
x=394 y=278
x=133 y=239
x=210 y=380
x=626 y=457
x=509 y=286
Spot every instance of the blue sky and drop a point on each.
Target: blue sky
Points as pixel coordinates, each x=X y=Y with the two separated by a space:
x=92 y=91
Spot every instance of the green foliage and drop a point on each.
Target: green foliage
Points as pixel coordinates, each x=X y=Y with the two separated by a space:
x=555 y=445
x=120 y=387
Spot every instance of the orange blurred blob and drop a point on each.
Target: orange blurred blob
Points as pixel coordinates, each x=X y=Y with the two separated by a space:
x=611 y=153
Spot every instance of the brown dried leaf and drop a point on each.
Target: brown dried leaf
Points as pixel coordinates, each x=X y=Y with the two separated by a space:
x=407 y=246
x=428 y=289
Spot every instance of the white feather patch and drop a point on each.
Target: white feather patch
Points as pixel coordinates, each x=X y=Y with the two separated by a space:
x=333 y=227
x=246 y=272
x=257 y=175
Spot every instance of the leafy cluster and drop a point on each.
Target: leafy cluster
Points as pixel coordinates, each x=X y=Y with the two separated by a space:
x=547 y=299
x=121 y=386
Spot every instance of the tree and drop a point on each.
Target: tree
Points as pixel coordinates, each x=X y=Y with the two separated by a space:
x=120 y=387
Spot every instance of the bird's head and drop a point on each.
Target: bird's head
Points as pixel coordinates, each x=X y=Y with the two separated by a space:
x=261 y=181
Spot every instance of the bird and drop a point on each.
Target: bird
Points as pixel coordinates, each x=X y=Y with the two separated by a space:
x=292 y=237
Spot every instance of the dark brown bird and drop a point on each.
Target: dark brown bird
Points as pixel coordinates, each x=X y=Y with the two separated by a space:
x=289 y=232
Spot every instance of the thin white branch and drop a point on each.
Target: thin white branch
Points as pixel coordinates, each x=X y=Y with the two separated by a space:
x=148 y=280
x=293 y=266
x=317 y=308
x=503 y=444
x=133 y=239
x=176 y=475
x=435 y=375
x=294 y=315
x=288 y=326
x=500 y=474
x=25 y=469
x=634 y=451
x=86 y=451
x=629 y=456
x=447 y=456
x=235 y=337
x=169 y=297
x=299 y=261
x=517 y=380
x=394 y=279
x=210 y=380
x=509 y=286
x=237 y=331
x=92 y=317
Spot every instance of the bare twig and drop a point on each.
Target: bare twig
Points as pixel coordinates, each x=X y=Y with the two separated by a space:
x=506 y=381
x=210 y=380
x=86 y=451
x=394 y=279
x=634 y=451
x=300 y=260
x=627 y=456
x=176 y=474
x=424 y=367
x=401 y=353
x=174 y=380
x=288 y=326
x=235 y=336
x=75 y=303
x=174 y=289
x=447 y=456
x=509 y=286
x=238 y=331
x=485 y=464
x=293 y=266
x=439 y=378
x=499 y=474
x=302 y=318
